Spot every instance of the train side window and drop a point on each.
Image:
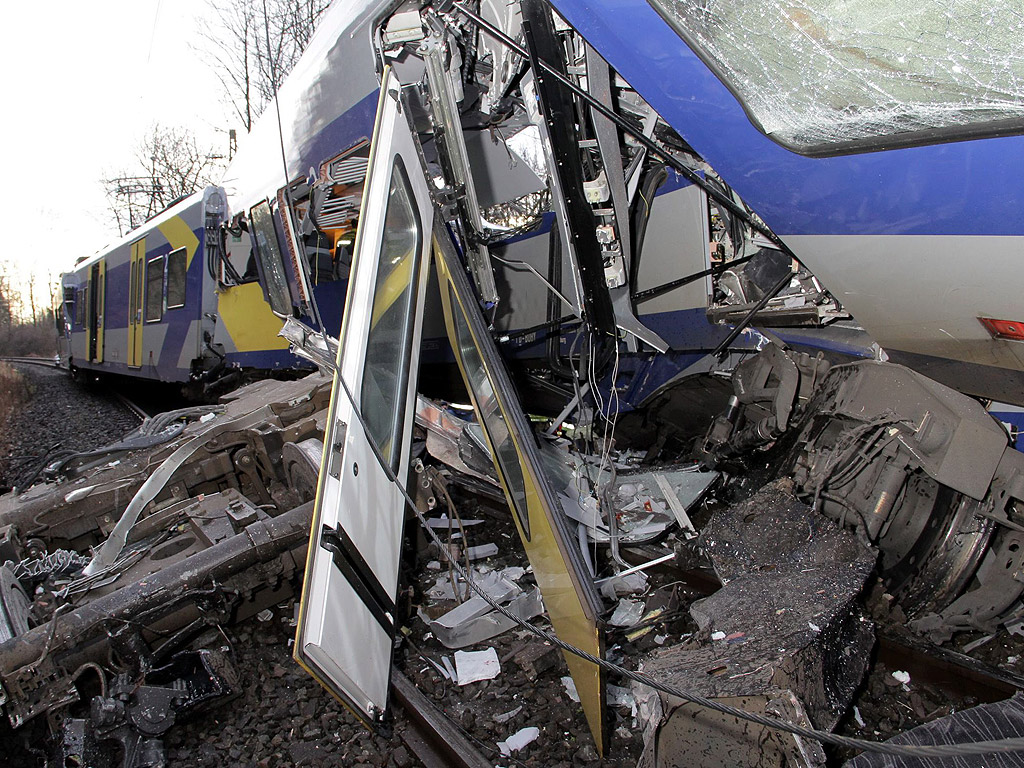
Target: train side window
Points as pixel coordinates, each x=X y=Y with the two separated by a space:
x=176 y=267
x=80 y=308
x=155 y=289
x=385 y=372
x=268 y=252
x=826 y=77
x=329 y=227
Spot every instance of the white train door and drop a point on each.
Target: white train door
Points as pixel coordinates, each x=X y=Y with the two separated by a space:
x=347 y=617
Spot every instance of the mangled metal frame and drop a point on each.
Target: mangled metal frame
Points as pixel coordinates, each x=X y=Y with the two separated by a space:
x=569 y=595
x=199 y=550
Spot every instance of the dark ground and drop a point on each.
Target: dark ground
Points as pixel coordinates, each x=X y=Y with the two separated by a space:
x=58 y=415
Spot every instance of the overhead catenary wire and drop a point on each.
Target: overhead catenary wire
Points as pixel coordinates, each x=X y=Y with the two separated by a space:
x=1005 y=745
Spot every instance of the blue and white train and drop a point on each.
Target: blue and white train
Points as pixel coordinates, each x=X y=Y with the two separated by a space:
x=166 y=303
x=604 y=209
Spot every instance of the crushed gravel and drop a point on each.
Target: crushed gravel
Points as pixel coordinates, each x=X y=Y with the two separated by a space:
x=60 y=414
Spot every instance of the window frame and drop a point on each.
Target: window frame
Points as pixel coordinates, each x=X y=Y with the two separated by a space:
x=148 y=304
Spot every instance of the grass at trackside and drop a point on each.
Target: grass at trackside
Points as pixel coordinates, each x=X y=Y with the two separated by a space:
x=14 y=390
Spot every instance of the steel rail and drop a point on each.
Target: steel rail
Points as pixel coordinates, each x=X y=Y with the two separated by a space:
x=48 y=362
x=430 y=734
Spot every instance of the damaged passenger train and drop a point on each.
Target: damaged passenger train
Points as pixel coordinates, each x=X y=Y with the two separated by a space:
x=668 y=250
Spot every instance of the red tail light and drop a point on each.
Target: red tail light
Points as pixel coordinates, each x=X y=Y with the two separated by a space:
x=1004 y=329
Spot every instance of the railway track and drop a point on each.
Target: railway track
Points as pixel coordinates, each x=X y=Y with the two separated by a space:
x=54 y=362
x=131 y=406
x=431 y=736
x=48 y=362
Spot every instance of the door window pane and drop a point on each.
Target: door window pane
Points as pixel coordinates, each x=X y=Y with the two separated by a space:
x=385 y=373
x=490 y=411
x=268 y=251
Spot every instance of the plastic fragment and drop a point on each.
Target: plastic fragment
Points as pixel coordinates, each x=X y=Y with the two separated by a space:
x=506 y=716
x=570 y=688
x=627 y=613
x=482 y=551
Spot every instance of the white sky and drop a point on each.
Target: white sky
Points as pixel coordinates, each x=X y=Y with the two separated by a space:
x=83 y=81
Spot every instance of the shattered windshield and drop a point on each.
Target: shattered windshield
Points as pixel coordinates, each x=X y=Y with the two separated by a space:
x=818 y=73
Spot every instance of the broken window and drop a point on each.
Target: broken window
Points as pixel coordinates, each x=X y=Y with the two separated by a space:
x=814 y=74
x=384 y=385
x=329 y=234
x=268 y=252
x=176 y=267
x=490 y=412
x=155 y=289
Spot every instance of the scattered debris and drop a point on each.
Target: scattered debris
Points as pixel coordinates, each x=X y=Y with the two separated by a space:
x=504 y=717
x=482 y=551
x=474 y=666
x=519 y=740
x=627 y=613
x=975 y=644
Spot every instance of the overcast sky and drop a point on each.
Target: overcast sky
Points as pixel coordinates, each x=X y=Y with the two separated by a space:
x=82 y=84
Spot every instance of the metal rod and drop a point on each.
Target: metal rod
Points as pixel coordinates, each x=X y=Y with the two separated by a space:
x=749 y=317
x=659 y=290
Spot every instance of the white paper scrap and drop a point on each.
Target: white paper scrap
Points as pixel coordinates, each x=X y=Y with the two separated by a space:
x=518 y=740
x=627 y=613
x=474 y=666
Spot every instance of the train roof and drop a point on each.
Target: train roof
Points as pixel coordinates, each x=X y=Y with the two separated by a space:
x=168 y=213
x=335 y=74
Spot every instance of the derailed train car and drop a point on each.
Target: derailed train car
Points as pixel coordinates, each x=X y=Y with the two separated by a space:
x=584 y=194
x=168 y=303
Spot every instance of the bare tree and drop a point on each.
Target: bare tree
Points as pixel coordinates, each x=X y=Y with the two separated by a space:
x=169 y=164
x=25 y=327
x=255 y=43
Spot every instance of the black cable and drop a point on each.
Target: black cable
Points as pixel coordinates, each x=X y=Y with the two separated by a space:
x=659 y=290
x=932 y=750
x=749 y=317
x=501 y=336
